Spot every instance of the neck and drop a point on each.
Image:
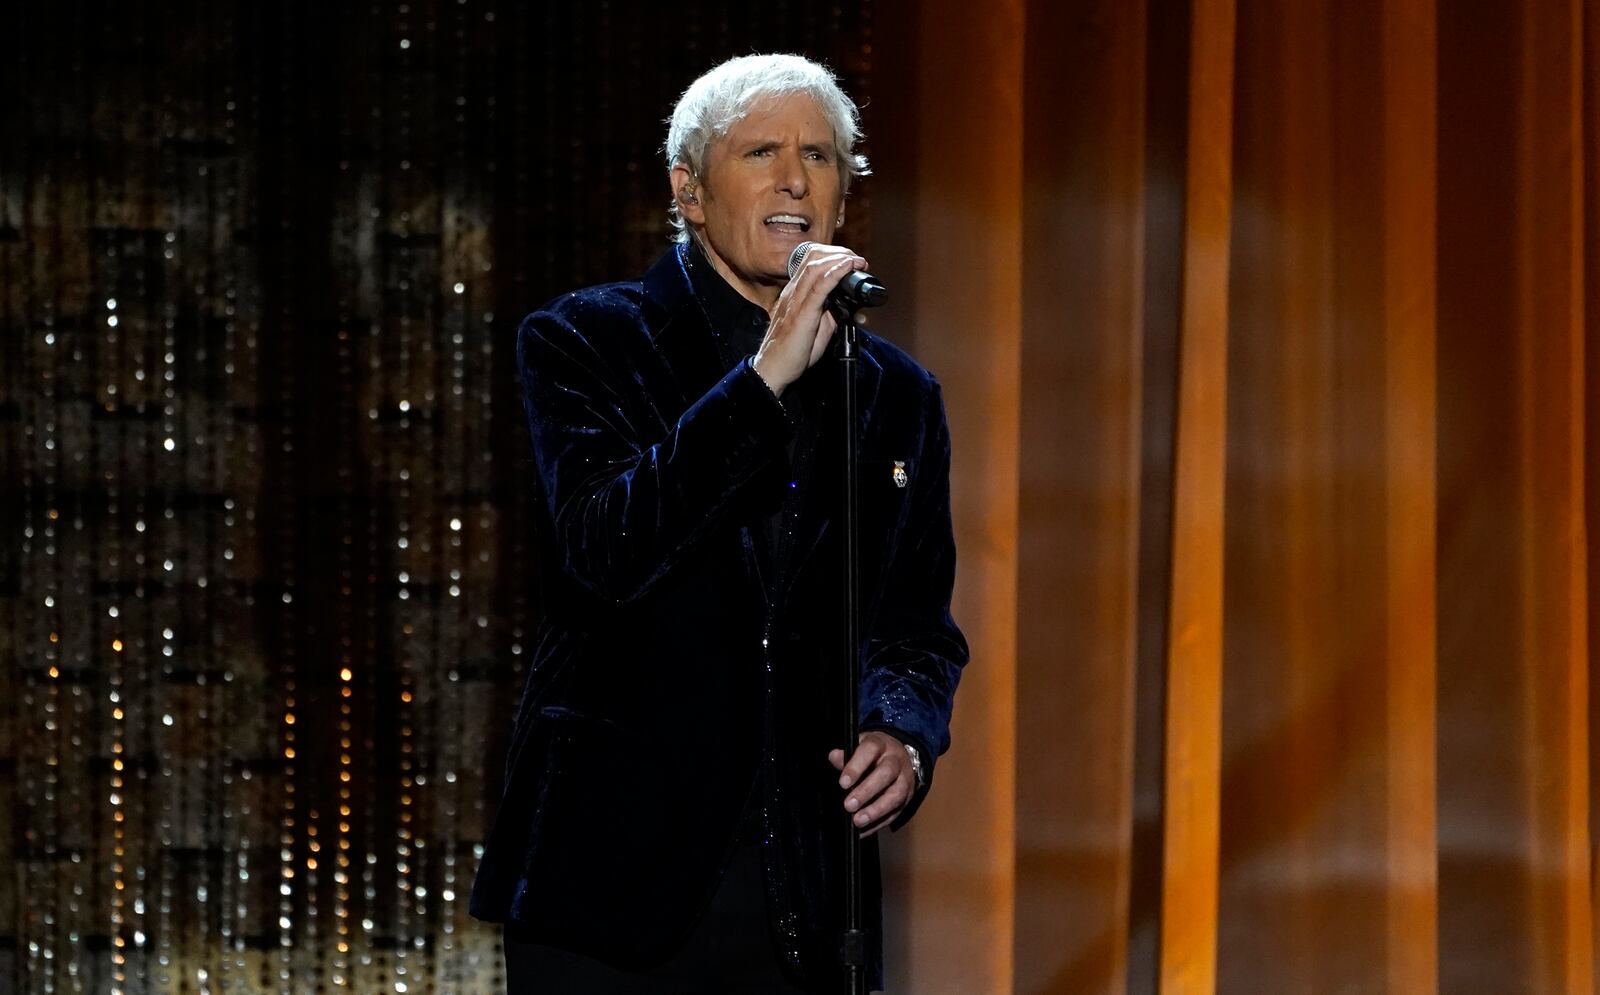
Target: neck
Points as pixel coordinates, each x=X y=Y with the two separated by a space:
x=762 y=295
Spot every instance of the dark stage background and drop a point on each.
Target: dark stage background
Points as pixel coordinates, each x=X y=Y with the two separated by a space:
x=265 y=588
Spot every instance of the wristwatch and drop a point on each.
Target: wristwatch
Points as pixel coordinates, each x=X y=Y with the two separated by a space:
x=916 y=763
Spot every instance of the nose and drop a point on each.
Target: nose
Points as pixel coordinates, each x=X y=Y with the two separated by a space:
x=792 y=178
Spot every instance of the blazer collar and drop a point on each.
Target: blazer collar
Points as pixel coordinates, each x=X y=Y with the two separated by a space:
x=666 y=282
x=680 y=329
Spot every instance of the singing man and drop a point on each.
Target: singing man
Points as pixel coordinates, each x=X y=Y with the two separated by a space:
x=677 y=798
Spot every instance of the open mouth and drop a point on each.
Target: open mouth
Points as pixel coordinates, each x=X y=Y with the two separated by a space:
x=788 y=224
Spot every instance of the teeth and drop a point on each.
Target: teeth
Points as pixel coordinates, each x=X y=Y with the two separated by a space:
x=788 y=219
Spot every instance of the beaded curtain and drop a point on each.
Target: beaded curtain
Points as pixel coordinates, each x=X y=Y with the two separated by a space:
x=265 y=586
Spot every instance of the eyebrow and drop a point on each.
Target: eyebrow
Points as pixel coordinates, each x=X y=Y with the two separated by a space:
x=773 y=143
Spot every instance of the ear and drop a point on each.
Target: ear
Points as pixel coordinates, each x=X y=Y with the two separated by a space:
x=687 y=194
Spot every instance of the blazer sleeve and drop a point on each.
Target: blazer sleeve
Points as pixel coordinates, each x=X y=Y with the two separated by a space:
x=625 y=506
x=914 y=652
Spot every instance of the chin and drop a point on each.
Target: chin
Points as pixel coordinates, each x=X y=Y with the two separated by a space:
x=777 y=256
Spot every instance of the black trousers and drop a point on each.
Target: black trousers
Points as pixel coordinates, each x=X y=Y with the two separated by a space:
x=730 y=951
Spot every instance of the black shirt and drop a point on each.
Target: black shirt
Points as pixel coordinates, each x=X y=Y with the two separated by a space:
x=739 y=325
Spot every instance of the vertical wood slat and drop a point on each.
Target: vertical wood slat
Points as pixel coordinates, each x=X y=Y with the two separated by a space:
x=1410 y=317
x=1580 y=564
x=1194 y=668
x=1551 y=361
x=1576 y=737
x=1589 y=91
x=1079 y=476
x=1166 y=155
x=1482 y=911
x=1513 y=822
x=951 y=247
x=1590 y=95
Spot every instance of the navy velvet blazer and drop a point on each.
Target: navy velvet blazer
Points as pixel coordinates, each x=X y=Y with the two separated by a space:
x=678 y=674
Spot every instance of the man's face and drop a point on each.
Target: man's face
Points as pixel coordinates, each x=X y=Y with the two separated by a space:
x=769 y=184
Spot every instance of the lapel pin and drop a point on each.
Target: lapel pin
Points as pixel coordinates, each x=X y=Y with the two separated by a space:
x=899 y=473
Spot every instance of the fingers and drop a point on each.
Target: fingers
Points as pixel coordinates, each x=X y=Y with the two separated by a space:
x=808 y=291
x=867 y=753
x=886 y=805
x=821 y=260
x=819 y=345
x=867 y=794
x=827 y=275
x=836 y=757
x=801 y=329
x=882 y=782
x=818 y=275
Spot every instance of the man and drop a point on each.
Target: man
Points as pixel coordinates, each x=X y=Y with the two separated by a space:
x=676 y=797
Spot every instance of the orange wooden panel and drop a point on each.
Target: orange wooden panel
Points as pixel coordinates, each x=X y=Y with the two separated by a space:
x=1514 y=908
x=1554 y=584
x=1391 y=340
x=1410 y=317
x=948 y=241
x=1194 y=665
x=1309 y=765
x=1482 y=895
x=1591 y=294
x=1079 y=473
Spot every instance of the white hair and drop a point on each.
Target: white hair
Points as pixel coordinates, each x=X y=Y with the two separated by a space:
x=718 y=100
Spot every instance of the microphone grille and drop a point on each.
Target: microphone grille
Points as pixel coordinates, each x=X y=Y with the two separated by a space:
x=798 y=256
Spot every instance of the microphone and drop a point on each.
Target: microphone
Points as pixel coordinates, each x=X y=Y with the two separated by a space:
x=856 y=291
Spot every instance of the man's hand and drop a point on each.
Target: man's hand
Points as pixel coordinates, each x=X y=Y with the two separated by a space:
x=801 y=326
x=880 y=774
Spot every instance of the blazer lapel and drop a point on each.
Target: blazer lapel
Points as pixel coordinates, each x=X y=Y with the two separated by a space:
x=683 y=336
x=686 y=344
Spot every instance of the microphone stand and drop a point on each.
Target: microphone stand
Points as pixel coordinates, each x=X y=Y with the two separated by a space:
x=852 y=942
